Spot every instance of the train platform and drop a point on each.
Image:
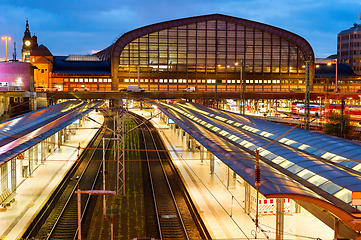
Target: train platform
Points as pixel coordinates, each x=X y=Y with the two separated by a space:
x=34 y=191
x=221 y=204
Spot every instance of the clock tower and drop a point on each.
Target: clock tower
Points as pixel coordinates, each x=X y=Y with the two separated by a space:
x=29 y=43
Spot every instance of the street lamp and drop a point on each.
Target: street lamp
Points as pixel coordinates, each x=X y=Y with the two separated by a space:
x=90 y=192
x=242 y=88
x=6 y=46
x=329 y=64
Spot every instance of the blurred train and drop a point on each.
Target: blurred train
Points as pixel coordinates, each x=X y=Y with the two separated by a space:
x=354 y=111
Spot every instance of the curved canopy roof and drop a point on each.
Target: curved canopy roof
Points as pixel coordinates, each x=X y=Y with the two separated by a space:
x=300 y=155
x=20 y=133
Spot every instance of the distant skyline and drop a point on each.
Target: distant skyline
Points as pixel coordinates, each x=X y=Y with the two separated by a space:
x=83 y=27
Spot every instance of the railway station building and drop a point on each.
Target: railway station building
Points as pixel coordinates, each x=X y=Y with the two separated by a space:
x=207 y=52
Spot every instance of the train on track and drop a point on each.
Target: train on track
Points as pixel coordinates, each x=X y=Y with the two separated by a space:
x=354 y=111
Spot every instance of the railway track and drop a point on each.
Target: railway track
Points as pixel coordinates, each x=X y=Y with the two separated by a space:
x=176 y=217
x=58 y=219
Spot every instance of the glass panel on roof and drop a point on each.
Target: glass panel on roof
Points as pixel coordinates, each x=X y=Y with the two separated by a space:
x=310 y=149
x=328 y=155
x=319 y=152
x=305 y=174
x=296 y=144
x=253 y=147
x=349 y=164
x=330 y=187
x=271 y=156
x=338 y=159
x=264 y=152
x=295 y=169
x=345 y=195
x=303 y=147
x=317 y=180
x=278 y=160
x=247 y=145
x=282 y=140
x=286 y=164
x=243 y=142
x=289 y=142
x=357 y=167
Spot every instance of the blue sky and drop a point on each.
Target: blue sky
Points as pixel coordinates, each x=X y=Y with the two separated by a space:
x=80 y=27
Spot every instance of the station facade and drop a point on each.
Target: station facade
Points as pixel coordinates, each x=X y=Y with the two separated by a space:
x=208 y=52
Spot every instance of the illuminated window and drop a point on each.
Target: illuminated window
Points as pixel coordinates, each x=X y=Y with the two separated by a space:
x=109 y=80
x=126 y=80
x=100 y=80
x=76 y=80
x=86 y=80
x=91 y=80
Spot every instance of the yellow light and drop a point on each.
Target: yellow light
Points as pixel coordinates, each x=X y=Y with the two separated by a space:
x=303 y=66
x=236 y=63
x=27 y=43
x=329 y=64
x=228 y=66
x=317 y=66
x=219 y=65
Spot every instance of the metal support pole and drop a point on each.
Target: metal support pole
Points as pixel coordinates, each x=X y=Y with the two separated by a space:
x=336 y=76
x=243 y=89
x=279 y=218
x=307 y=97
x=247 y=197
x=216 y=94
x=336 y=228
x=104 y=203
x=227 y=173
x=342 y=118
x=79 y=214
x=257 y=180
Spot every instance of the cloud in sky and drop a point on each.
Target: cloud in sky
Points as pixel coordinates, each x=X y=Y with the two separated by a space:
x=80 y=27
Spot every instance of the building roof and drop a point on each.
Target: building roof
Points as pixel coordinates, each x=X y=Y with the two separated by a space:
x=343 y=70
x=355 y=28
x=41 y=51
x=68 y=64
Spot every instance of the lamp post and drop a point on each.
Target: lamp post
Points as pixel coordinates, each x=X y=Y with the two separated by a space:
x=90 y=192
x=242 y=88
x=6 y=46
x=329 y=64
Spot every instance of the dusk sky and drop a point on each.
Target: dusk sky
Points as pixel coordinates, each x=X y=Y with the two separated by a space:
x=82 y=27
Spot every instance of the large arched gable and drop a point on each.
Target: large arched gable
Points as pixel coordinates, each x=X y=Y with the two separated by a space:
x=125 y=39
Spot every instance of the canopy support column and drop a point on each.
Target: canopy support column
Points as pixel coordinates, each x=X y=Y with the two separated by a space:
x=280 y=218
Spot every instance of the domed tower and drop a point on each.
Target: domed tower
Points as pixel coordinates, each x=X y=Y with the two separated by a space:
x=29 y=43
